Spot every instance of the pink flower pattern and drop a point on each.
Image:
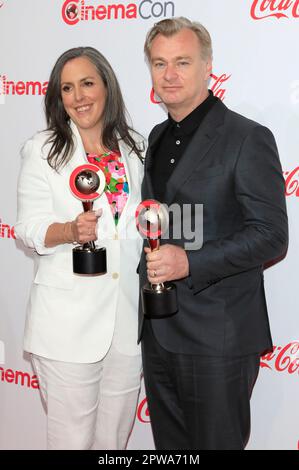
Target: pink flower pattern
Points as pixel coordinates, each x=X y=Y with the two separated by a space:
x=117 y=188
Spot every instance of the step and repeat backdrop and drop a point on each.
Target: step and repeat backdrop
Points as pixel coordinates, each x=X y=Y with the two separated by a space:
x=255 y=72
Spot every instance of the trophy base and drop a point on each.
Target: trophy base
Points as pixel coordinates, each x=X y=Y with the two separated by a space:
x=92 y=262
x=159 y=304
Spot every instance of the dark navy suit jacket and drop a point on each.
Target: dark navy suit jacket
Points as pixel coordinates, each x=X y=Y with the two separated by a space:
x=231 y=166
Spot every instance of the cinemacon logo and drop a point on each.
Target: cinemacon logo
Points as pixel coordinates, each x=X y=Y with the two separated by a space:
x=262 y=9
x=19 y=377
x=6 y=231
x=12 y=87
x=74 y=11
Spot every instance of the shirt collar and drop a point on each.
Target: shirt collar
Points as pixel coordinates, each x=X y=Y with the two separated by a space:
x=191 y=122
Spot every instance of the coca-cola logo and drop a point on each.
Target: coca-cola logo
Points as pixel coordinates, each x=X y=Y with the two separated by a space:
x=12 y=87
x=262 y=9
x=74 y=11
x=6 y=231
x=292 y=182
x=218 y=87
x=282 y=359
x=143 y=412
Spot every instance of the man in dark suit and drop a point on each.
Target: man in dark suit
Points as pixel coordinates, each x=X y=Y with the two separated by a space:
x=200 y=365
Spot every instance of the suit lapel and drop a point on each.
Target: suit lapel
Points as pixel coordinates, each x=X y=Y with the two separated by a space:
x=203 y=140
x=147 y=187
x=131 y=163
x=79 y=156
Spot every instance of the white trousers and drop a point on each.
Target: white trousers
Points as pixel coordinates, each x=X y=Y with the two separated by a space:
x=89 y=406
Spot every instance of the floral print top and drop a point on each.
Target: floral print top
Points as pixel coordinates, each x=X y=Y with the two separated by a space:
x=117 y=188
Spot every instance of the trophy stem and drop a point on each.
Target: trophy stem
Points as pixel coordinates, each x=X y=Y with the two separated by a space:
x=89 y=246
x=158 y=287
x=87 y=205
x=154 y=243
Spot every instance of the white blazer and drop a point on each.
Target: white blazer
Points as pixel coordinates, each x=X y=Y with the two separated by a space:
x=70 y=317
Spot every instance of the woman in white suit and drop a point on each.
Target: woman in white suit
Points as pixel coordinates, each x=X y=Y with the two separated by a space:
x=81 y=331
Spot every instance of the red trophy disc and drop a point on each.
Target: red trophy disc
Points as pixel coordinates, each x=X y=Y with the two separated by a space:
x=87 y=183
x=158 y=300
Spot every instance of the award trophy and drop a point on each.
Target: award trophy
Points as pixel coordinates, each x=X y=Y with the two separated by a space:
x=87 y=183
x=158 y=300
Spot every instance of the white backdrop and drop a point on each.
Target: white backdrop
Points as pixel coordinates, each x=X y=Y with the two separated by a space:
x=255 y=73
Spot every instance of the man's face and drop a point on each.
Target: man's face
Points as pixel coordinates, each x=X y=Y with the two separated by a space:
x=179 y=73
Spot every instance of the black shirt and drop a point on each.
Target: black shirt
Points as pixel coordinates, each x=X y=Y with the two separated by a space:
x=173 y=143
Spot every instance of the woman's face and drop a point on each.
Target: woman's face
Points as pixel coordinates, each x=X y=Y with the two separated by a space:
x=83 y=94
